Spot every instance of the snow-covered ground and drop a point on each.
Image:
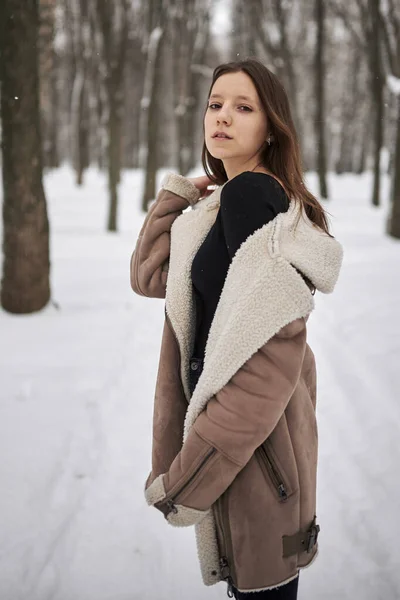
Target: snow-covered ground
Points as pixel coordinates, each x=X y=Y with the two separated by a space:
x=76 y=396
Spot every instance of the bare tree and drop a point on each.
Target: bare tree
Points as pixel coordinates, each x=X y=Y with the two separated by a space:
x=361 y=18
x=113 y=26
x=320 y=97
x=370 y=16
x=353 y=111
x=48 y=69
x=155 y=18
x=393 y=226
x=133 y=90
x=80 y=43
x=189 y=28
x=25 y=282
x=273 y=25
x=244 y=40
x=390 y=23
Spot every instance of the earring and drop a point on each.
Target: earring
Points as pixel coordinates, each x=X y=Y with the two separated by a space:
x=269 y=141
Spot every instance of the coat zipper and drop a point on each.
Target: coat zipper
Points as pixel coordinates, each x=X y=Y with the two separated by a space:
x=227 y=568
x=274 y=473
x=171 y=501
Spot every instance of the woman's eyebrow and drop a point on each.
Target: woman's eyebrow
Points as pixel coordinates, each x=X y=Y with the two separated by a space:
x=237 y=97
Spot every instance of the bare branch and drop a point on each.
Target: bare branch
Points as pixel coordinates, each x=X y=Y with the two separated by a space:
x=390 y=52
x=342 y=13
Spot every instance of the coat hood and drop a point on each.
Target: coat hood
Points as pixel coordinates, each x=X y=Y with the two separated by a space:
x=292 y=235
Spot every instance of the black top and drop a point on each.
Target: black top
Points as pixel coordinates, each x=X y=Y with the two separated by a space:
x=248 y=201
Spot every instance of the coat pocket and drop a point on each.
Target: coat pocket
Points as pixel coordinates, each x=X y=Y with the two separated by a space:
x=273 y=471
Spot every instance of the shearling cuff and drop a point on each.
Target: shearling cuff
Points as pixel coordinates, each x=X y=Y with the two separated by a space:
x=181 y=186
x=156 y=491
x=178 y=516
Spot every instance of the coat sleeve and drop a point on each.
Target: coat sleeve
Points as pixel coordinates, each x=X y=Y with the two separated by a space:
x=149 y=262
x=238 y=419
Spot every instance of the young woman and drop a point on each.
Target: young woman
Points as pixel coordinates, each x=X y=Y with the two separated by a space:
x=235 y=433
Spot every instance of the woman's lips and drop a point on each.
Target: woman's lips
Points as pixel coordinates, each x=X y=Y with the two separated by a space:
x=222 y=139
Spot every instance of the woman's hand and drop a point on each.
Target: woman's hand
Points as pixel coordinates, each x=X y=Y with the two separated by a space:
x=201 y=183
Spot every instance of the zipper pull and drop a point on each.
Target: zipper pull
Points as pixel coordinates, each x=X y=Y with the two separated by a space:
x=229 y=591
x=172 y=506
x=282 y=492
x=223 y=561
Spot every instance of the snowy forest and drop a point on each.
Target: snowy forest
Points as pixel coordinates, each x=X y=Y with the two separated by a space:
x=122 y=85
x=99 y=99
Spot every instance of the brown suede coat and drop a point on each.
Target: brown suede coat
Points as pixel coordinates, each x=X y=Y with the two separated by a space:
x=238 y=459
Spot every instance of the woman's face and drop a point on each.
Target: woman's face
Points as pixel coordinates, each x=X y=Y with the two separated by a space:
x=234 y=108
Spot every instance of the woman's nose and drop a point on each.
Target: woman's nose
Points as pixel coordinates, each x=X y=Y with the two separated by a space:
x=223 y=116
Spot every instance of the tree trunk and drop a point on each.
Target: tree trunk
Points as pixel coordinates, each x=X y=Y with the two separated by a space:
x=79 y=128
x=362 y=157
x=83 y=137
x=100 y=124
x=113 y=22
x=377 y=82
x=149 y=134
x=393 y=226
x=278 y=48
x=25 y=281
x=288 y=58
x=199 y=49
x=79 y=120
x=48 y=82
x=113 y=159
x=320 y=97
x=195 y=84
x=181 y=51
x=53 y=159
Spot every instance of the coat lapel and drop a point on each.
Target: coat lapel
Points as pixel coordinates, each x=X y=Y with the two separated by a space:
x=187 y=234
x=262 y=293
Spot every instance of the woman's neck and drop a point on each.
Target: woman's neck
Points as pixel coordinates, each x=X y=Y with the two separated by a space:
x=253 y=166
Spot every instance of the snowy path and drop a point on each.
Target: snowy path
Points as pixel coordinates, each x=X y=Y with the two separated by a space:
x=76 y=409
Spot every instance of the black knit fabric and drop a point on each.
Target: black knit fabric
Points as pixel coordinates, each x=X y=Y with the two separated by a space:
x=248 y=202
x=284 y=592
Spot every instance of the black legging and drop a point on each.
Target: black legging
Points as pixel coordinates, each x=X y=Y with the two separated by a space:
x=284 y=592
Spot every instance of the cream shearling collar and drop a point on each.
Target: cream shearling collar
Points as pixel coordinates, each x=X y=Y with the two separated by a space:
x=270 y=253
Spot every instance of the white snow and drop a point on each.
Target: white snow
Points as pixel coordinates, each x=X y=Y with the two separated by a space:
x=221 y=24
x=393 y=84
x=76 y=396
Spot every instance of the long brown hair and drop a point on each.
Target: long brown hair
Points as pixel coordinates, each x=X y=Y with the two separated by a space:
x=282 y=157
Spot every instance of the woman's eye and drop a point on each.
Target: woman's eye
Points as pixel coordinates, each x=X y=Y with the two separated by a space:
x=246 y=108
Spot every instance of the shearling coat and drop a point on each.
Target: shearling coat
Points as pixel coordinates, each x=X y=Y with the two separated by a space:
x=238 y=459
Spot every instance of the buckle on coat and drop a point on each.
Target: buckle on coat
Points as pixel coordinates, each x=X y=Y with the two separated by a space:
x=312 y=535
x=302 y=541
